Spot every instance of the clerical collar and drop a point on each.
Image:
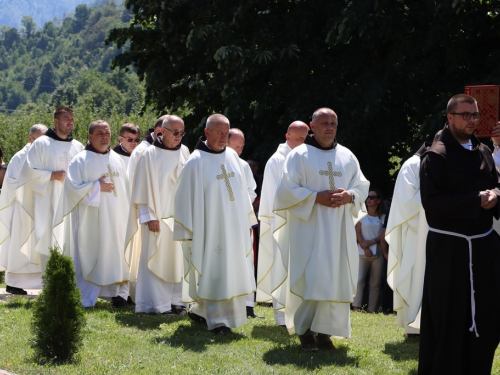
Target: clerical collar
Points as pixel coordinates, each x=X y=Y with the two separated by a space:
x=447 y=137
x=158 y=142
x=51 y=133
x=89 y=147
x=149 y=136
x=422 y=149
x=120 y=150
x=201 y=145
x=311 y=141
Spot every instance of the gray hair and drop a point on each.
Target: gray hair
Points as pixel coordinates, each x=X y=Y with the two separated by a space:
x=38 y=128
x=216 y=119
x=95 y=123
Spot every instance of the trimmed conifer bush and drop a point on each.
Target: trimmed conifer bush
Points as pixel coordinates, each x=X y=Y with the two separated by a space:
x=58 y=314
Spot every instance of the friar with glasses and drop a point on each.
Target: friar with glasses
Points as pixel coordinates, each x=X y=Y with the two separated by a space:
x=270 y=269
x=41 y=182
x=15 y=238
x=159 y=279
x=213 y=217
x=129 y=138
x=96 y=199
x=319 y=197
x=459 y=188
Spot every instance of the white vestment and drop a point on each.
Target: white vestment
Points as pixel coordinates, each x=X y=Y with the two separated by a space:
x=271 y=272
x=39 y=195
x=19 y=272
x=161 y=268
x=99 y=223
x=213 y=215
x=125 y=159
x=323 y=255
x=406 y=234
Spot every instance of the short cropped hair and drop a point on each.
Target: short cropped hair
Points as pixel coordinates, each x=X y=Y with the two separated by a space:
x=457 y=99
x=129 y=128
x=95 y=123
x=60 y=110
x=234 y=131
x=216 y=119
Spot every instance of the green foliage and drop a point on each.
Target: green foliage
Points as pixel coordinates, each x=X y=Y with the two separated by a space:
x=58 y=314
x=386 y=67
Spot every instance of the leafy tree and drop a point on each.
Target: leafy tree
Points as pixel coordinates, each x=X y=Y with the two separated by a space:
x=64 y=95
x=30 y=77
x=29 y=26
x=386 y=67
x=10 y=38
x=82 y=14
x=48 y=78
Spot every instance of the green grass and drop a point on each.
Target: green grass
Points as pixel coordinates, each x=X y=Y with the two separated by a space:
x=122 y=342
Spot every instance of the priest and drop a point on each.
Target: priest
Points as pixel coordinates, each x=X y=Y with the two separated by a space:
x=316 y=205
x=213 y=217
x=127 y=141
x=160 y=273
x=270 y=271
x=96 y=198
x=459 y=188
x=14 y=238
x=236 y=141
x=41 y=182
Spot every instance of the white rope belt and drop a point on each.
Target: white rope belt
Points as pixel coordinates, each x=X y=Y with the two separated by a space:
x=472 y=299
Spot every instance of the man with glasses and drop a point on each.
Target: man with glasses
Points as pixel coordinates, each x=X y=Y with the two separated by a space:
x=129 y=138
x=159 y=279
x=459 y=187
x=213 y=217
x=317 y=201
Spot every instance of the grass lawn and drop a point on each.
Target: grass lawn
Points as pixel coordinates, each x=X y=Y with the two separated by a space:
x=122 y=342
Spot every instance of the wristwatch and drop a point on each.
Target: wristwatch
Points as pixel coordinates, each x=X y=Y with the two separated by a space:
x=353 y=197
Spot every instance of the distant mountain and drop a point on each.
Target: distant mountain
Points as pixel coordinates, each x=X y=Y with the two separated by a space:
x=42 y=11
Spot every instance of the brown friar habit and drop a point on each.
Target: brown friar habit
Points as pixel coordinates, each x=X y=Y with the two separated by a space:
x=451 y=178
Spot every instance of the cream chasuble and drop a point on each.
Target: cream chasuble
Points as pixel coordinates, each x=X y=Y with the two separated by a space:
x=406 y=234
x=100 y=224
x=213 y=212
x=270 y=270
x=156 y=174
x=323 y=257
x=252 y=185
x=20 y=272
x=41 y=195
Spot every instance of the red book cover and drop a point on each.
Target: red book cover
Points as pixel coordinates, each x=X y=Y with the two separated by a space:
x=488 y=102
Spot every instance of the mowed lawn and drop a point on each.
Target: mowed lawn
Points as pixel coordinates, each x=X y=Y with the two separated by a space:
x=122 y=342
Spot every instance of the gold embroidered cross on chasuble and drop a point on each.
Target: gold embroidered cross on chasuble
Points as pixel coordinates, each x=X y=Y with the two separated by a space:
x=330 y=173
x=111 y=176
x=225 y=176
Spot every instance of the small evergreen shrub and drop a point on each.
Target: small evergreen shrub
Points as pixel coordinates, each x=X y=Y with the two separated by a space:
x=2 y=277
x=58 y=314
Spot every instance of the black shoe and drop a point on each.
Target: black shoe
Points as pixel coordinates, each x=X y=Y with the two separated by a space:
x=197 y=318
x=307 y=342
x=14 y=290
x=119 y=302
x=251 y=313
x=178 y=310
x=130 y=302
x=324 y=342
x=222 y=330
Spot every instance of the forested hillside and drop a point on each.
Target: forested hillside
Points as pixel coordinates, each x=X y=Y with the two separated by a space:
x=64 y=65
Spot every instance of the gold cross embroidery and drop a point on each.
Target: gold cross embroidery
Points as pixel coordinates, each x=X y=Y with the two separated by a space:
x=330 y=173
x=111 y=174
x=65 y=159
x=225 y=176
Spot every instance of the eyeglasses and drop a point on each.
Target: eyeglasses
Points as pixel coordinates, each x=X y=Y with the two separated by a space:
x=467 y=115
x=130 y=140
x=372 y=197
x=176 y=133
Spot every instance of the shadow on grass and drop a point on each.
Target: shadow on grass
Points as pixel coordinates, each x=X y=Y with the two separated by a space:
x=294 y=355
x=403 y=351
x=196 y=338
x=271 y=333
x=18 y=302
x=143 y=321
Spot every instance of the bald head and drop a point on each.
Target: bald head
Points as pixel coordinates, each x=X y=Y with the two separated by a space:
x=216 y=119
x=170 y=119
x=236 y=140
x=296 y=134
